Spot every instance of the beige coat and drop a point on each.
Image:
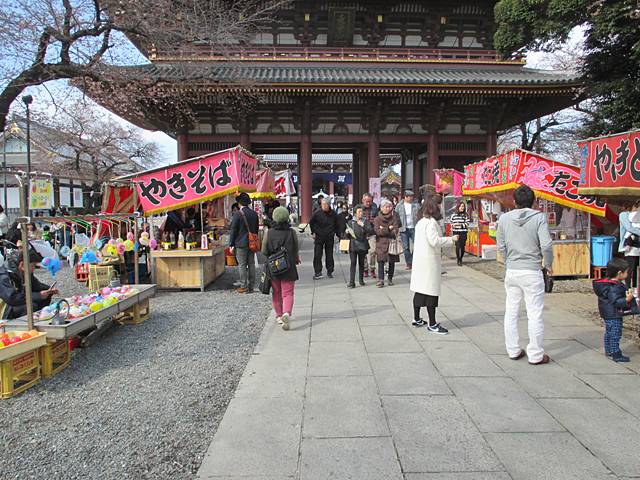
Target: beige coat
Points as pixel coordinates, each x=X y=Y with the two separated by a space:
x=427 y=253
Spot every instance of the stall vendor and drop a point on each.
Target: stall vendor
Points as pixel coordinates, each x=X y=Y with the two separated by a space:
x=13 y=301
x=192 y=221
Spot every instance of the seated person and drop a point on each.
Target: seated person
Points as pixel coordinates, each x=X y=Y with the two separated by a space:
x=13 y=301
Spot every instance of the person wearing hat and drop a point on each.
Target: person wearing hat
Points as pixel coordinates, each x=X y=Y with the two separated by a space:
x=13 y=300
x=407 y=213
x=279 y=235
x=239 y=242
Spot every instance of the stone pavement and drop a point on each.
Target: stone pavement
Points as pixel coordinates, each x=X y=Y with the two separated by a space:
x=354 y=391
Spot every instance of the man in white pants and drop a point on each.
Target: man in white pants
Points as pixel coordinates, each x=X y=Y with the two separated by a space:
x=523 y=241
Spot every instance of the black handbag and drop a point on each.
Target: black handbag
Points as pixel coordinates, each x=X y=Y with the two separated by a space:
x=632 y=241
x=265 y=282
x=548 y=281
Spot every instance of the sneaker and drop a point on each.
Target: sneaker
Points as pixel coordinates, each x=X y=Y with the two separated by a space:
x=330 y=274
x=243 y=290
x=317 y=276
x=373 y=274
x=419 y=323
x=279 y=320
x=285 y=321
x=437 y=328
x=366 y=274
x=618 y=357
x=351 y=285
x=408 y=266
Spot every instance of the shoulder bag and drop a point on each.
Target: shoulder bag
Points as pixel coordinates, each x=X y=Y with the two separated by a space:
x=265 y=281
x=254 y=241
x=632 y=241
x=278 y=261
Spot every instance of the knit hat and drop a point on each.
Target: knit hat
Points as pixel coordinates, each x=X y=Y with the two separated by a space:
x=280 y=215
x=385 y=202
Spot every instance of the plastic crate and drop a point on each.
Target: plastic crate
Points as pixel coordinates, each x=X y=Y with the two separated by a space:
x=82 y=272
x=598 y=272
x=19 y=369
x=54 y=356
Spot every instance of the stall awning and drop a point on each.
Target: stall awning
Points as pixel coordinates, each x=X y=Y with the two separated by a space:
x=196 y=180
x=265 y=184
x=499 y=176
x=610 y=166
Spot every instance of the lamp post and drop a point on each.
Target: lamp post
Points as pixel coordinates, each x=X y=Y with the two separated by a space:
x=28 y=99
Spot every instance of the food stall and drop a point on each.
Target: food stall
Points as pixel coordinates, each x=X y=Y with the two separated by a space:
x=568 y=213
x=189 y=183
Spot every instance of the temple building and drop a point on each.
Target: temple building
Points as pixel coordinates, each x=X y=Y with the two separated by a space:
x=419 y=80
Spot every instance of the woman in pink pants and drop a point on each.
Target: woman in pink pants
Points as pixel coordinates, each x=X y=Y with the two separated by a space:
x=282 y=236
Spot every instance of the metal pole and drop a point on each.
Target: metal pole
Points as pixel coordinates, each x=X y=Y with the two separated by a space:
x=152 y=260
x=136 y=255
x=4 y=166
x=28 y=139
x=25 y=251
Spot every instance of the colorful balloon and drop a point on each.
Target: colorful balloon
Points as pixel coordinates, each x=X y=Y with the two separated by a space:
x=128 y=245
x=52 y=264
x=153 y=243
x=131 y=236
x=121 y=248
x=65 y=251
x=88 y=257
x=98 y=244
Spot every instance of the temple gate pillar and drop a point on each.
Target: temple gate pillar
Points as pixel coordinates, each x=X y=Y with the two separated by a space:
x=355 y=178
x=245 y=136
x=432 y=158
x=364 y=171
x=305 y=178
x=492 y=141
x=183 y=146
x=374 y=155
x=417 y=173
x=403 y=173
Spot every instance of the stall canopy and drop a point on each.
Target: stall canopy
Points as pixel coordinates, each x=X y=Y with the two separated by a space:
x=195 y=181
x=496 y=178
x=265 y=183
x=610 y=166
x=449 y=181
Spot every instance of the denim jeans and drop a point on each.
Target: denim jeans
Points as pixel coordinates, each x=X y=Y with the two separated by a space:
x=246 y=267
x=409 y=233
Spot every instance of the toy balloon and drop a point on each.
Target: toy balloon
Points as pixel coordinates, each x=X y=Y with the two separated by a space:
x=135 y=246
x=88 y=257
x=131 y=236
x=52 y=265
x=153 y=243
x=93 y=248
x=121 y=248
x=112 y=250
x=144 y=241
x=112 y=241
x=128 y=245
x=65 y=251
x=119 y=240
x=98 y=244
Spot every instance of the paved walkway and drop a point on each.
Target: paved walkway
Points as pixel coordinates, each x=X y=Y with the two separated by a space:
x=354 y=391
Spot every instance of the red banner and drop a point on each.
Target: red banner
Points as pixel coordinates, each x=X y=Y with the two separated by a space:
x=552 y=180
x=196 y=180
x=610 y=165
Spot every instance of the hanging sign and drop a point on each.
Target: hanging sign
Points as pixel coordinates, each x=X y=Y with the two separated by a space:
x=610 y=165
x=196 y=180
x=40 y=194
x=374 y=189
x=449 y=182
x=284 y=184
x=551 y=180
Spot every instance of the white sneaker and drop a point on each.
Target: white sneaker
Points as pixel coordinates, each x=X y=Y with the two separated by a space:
x=279 y=320
x=285 y=321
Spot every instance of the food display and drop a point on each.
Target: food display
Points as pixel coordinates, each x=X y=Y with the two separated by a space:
x=81 y=306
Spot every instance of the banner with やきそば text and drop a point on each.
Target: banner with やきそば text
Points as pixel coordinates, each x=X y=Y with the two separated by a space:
x=196 y=180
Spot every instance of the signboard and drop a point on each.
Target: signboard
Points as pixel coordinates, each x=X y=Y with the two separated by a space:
x=40 y=194
x=551 y=180
x=196 y=180
x=284 y=185
x=610 y=165
x=374 y=188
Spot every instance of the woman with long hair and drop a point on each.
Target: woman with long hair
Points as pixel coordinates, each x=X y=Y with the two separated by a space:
x=282 y=235
x=426 y=271
x=460 y=226
x=386 y=228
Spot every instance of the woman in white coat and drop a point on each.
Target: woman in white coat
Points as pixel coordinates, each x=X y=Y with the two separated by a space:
x=426 y=270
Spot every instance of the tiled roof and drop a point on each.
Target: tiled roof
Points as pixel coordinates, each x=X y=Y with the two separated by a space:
x=368 y=75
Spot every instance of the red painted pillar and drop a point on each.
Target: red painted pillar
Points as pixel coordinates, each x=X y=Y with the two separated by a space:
x=305 y=178
x=403 y=175
x=432 y=158
x=492 y=141
x=355 y=179
x=417 y=173
x=245 y=137
x=183 y=146
x=374 y=155
x=364 y=171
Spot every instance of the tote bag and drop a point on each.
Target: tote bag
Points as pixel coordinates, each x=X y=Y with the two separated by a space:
x=395 y=246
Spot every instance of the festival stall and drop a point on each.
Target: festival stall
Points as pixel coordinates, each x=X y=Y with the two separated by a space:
x=610 y=167
x=568 y=213
x=181 y=185
x=448 y=184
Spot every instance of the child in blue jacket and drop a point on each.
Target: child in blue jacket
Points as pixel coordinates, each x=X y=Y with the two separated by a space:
x=614 y=302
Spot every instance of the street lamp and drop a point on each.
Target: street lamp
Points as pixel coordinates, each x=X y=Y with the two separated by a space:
x=27 y=99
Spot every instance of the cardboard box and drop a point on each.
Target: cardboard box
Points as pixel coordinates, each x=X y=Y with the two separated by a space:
x=217 y=222
x=99 y=277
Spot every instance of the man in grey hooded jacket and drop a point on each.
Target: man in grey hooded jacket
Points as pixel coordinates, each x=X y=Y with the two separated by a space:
x=523 y=242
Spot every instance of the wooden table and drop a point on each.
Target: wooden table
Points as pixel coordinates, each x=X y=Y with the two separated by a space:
x=188 y=269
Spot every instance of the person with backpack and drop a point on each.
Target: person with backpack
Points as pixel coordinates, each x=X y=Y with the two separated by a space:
x=282 y=238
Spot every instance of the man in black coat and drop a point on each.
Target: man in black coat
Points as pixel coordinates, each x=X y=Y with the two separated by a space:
x=324 y=226
x=13 y=299
x=239 y=240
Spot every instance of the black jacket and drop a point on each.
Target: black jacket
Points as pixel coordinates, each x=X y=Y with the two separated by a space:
x=343 y=218
x=274 y=239
x=359 y=242
x=612 y=301
x=239 y=236
x=13 y=300
x=370 y=212
x=324 y=225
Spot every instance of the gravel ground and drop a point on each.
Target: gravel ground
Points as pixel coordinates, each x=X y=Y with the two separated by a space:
x=582 y=286
x=145 y=400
